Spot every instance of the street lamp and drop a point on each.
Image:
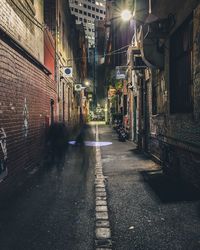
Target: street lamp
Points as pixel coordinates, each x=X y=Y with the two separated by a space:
x=126 y=15
x=87 y=83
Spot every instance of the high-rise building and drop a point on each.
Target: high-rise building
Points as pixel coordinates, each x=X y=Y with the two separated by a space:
x=86 y=12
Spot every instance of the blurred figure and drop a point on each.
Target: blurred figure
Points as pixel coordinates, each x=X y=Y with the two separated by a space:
x=57 y=141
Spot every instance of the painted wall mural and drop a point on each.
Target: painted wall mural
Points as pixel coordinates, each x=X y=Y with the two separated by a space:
x=3 y=154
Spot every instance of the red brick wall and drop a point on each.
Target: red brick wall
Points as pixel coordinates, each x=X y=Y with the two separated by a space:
x=25 y=94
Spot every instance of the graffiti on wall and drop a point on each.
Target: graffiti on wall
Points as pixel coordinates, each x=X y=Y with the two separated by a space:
x=3 y=154
x=25 y=116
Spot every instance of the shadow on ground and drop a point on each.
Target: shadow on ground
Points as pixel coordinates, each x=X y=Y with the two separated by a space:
x=169 y=190
x=139 y=154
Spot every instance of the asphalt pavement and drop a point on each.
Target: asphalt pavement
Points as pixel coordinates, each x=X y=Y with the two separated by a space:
x=105 y=190
x=55 y=211
x=147 y=210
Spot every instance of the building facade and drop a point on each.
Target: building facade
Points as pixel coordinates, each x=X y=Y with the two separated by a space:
x=71 y=48
x=28 y=93
x=86 y=12
x=38 y=39
x=163 y=85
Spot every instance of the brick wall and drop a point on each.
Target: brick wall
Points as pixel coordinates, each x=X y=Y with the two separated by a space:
x=25 y=95
x=175 y=137
x=22 y=20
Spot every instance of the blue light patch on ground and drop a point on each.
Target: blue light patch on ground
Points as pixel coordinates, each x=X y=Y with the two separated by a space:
x=93 y=143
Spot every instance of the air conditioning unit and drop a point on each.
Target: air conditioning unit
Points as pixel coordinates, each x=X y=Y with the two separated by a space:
x=77 y=87
x=67 y=71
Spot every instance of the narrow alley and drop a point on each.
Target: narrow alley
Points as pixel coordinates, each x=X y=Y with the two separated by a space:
x=146 y=209
x=99 y=125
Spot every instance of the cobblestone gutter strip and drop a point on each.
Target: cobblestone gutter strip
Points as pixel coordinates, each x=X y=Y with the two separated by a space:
x=102 y=231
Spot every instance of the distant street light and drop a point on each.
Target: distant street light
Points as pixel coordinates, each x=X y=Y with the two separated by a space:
x=87 y=83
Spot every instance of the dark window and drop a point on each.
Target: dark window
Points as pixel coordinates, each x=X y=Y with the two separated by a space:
x=85 y=13
x=89 y=7
x=80 y=18
x=101 y=11
x=84 y=5
x=97 y=10
x=76 y=10
x=89 y=1
x=93 y=8
x=97 y=17
x=181 y=44
x=89 y=14
x=93 y=16
x=85 y=20
x=101 y=18
x=72 y=9
x=80 y=11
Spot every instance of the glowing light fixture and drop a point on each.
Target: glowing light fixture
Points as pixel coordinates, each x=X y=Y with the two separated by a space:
x=93 y=143
x=126 y=15
x=87 y=83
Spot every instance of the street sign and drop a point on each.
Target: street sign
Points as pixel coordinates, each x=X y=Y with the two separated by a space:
x=78 y=87
x=67 y=71
x=120 y=72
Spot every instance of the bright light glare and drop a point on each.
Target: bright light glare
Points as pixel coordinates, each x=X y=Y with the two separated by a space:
x=93 y=143
x=87 y=83
x=126 y=15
